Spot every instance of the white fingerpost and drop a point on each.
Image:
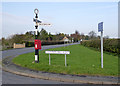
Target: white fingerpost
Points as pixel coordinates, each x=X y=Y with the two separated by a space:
x=100 y=29
x=36 y=32
x=65 y=61
x=101 y=49
x=38 y=22
x=49 y=60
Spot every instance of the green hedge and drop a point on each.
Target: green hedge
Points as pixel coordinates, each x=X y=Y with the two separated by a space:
x=52 y=42
x=109 y=45
x=31 y=44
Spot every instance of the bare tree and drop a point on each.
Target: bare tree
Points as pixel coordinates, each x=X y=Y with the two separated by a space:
x=77 y=32
x=92 y=34
x=82 y=36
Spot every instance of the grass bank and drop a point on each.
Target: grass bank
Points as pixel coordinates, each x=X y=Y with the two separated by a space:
x=81 y=61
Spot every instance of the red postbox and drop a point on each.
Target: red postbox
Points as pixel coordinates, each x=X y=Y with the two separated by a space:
x=37 y=44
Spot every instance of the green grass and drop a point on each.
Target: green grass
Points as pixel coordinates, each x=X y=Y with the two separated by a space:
x=81 y=61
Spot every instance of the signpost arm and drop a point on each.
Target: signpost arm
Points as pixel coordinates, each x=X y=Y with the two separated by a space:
x=101 y=49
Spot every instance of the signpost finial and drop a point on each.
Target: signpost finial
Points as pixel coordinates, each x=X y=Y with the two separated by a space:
x=36 y=11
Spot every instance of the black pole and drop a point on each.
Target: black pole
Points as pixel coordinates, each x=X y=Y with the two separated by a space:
x=36 y=38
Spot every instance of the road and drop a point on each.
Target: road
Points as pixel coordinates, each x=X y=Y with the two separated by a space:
x=9 y=78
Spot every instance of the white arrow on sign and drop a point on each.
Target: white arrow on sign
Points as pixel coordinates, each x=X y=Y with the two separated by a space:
x=44 y=24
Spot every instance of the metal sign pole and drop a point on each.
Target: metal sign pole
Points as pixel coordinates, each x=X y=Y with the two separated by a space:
x=100 y=29
x=49 y=59
x=101 y=49
x=38 y=44
x=36 y=36
x=65 y=60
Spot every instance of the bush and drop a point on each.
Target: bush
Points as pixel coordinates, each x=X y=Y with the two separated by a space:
x=31 y=44
x=109 y=45
x=52 y=42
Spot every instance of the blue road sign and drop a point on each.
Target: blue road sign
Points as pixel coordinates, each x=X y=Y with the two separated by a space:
x=38 y=21
x=100 y=27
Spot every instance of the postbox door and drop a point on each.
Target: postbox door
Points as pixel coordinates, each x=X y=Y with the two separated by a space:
x=37 y=44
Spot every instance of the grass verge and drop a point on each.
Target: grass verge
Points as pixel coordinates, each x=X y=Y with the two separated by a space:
x=81 y=61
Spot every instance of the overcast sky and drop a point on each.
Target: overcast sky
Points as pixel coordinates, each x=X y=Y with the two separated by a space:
x=65 y=17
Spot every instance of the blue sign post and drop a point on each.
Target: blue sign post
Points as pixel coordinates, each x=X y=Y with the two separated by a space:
x=100 y=29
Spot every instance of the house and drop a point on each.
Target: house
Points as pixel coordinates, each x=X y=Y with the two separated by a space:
x=76 y=37
x=65 y=39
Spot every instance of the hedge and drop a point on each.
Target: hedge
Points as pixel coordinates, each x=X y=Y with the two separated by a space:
x=31 y=44
x=109 y=45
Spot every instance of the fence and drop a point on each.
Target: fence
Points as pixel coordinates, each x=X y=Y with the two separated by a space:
x=19 y=45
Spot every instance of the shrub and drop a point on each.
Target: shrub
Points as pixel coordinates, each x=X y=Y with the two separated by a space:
x=31 y=44
x=109 y=45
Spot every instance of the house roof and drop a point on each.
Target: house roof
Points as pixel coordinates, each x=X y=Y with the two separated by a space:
x=65 y=39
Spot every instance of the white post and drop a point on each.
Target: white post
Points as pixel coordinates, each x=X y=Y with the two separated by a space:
x=101 y=49
x=65 y=60
x=49 y=59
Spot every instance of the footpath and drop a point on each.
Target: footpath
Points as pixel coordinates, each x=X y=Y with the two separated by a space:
x=12 y=68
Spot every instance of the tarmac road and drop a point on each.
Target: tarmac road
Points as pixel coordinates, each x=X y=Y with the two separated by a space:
x=9 y=78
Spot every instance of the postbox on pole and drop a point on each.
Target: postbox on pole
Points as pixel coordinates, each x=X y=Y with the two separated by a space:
x=37 y=44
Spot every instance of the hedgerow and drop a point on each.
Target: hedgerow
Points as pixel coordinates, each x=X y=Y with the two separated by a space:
x=109 y=45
